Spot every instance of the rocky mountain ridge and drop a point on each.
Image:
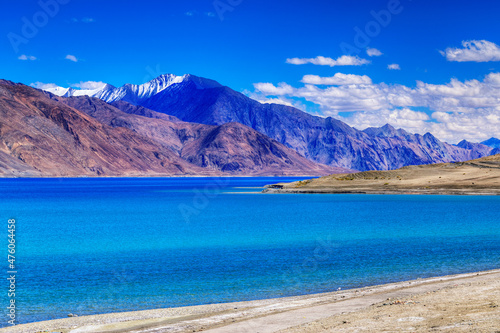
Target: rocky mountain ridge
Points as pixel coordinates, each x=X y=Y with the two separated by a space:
x=45 y=135
x=322 y=140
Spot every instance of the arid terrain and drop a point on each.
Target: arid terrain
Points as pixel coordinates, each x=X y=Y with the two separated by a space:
x=460 y=307
x=480 y=176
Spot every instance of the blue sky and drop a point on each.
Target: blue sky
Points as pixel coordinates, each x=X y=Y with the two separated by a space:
x=245 y=45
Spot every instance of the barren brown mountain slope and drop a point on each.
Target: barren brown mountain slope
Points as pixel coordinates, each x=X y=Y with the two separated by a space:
x=232 y=148
x=480 y=176
x=42 y=137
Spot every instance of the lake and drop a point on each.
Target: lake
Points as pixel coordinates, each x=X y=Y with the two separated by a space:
x=87 y=246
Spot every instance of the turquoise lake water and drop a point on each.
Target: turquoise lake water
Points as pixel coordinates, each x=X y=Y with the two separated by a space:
x=88 y=246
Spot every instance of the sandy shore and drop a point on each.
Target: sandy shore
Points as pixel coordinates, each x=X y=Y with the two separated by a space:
x=458 y=303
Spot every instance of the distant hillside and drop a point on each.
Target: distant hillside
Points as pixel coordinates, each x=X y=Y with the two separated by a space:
x=480 y=176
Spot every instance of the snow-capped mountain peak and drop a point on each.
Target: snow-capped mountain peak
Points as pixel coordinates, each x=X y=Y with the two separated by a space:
x=60 y=91
x=133 y=93
x=148 y=89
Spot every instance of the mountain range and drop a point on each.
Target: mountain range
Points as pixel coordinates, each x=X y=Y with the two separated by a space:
x=327 y=141
x=42 y=134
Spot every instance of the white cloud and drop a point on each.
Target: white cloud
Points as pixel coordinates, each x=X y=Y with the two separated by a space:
x=394 y=67
x=344 y=60
x=271 y=90
x=372 y=52
x=410 y=120
x=493 y=79
x=337 y=80
x=26 y=57
x=71 y=58
x=449 y=127
x=83 y=20
x=194 y=13
x=279 y=100
x=456 y=110
x=473 y=50
x=259 y=97
x=43 y=86
x=89 y=85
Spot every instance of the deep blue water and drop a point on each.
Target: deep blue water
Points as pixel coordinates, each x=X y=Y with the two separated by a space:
x=89 y=246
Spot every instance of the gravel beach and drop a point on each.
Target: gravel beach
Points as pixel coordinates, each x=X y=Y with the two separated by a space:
x=457 y=303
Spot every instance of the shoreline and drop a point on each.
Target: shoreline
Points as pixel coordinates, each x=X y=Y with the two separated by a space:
x=280 y=313
x=159 y=176
x=477 y=192
x=476 y=177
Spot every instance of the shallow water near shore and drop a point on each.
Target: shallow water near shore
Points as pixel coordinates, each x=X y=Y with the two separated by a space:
x=88 y=246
